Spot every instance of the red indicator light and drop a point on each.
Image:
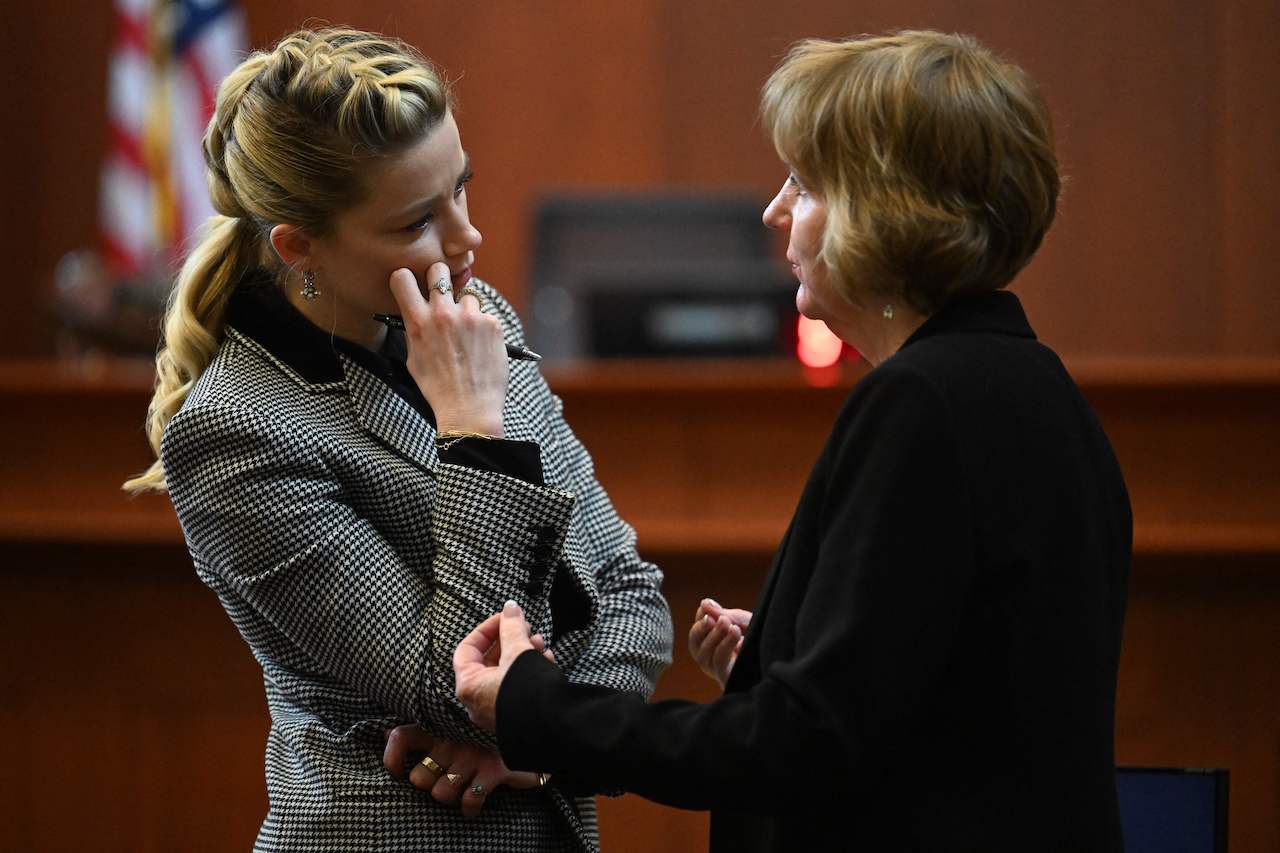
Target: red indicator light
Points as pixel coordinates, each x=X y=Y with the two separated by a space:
x=816 y=345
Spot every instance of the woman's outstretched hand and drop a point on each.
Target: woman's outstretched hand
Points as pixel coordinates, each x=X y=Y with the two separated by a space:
x=716 y=637
x=466 y=776
x=456 y=352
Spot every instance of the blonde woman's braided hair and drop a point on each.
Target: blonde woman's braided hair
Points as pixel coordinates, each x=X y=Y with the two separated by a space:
x=290 y=131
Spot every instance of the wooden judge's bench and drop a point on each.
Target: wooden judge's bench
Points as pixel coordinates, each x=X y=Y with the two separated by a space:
x=133 y=713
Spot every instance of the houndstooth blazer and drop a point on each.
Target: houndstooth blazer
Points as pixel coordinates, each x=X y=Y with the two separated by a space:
x=353 y=561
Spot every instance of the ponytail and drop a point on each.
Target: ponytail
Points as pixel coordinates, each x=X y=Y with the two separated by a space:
x=193 y=327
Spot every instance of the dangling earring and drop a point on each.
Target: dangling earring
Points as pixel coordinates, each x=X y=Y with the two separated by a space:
x=888 y=311
x=309 y=289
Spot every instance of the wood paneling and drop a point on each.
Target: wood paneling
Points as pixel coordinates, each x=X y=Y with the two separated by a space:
x=677 y=445
x=1163 y=109
x=131 y=702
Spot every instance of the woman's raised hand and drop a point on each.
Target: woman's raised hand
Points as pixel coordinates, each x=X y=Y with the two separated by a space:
x=716 y=637
x=456 y=352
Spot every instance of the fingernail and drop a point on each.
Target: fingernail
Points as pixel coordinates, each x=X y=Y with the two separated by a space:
x=511 y=608
x=707 y=620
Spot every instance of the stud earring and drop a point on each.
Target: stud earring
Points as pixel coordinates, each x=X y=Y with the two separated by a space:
x=309 y=289
x=888 y=311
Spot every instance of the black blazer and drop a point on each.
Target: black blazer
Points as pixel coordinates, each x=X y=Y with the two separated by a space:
x=932 y=662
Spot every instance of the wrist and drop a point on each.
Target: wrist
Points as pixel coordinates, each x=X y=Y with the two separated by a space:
x=470 y=426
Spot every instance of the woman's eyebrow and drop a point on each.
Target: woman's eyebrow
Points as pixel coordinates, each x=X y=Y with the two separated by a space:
x=438 y=197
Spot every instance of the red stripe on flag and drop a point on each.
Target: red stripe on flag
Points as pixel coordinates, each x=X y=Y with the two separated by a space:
x=127 y=147
x=207 y=88
x=131 y=31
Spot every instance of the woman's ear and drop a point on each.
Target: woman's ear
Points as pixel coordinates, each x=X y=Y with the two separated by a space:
x=293 y=245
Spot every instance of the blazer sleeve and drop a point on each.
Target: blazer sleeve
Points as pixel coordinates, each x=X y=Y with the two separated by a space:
x=261 y=509
x=893 y=565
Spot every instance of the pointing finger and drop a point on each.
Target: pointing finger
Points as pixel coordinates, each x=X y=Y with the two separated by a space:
x=404 y=287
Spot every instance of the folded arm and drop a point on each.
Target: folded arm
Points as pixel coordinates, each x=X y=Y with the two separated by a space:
x=262 y=510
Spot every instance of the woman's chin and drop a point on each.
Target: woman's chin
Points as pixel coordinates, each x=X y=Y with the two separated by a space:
x=805 y=305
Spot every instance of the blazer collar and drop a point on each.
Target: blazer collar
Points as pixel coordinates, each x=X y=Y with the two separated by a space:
x=388 y=416
x=322 y=363
x=997 y=312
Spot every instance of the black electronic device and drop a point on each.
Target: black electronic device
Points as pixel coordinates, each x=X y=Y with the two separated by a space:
x=643 y=275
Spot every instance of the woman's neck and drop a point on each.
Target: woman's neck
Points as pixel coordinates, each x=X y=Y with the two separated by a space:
x=328 y=315
x=877 y=331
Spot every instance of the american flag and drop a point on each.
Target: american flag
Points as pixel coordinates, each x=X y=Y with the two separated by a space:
x=167 y=61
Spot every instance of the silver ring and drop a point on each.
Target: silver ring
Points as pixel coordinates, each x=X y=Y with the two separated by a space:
x=471 y=290
x=477 y=789
x=443 y=286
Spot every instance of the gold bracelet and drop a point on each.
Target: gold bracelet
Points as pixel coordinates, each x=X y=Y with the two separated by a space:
x=448 y=439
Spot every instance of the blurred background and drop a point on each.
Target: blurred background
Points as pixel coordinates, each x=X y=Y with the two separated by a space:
x=135 y=713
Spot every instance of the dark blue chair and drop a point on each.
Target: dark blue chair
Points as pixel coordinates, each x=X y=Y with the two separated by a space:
x=1173 y=810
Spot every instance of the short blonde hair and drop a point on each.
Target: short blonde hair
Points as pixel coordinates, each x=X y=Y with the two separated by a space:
x=934 y=158
x=292 y=131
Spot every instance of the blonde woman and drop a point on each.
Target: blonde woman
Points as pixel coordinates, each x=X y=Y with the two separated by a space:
x=359 y=496
x=932 y=663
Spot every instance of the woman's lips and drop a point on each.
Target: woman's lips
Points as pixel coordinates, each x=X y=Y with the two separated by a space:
x=461 y=278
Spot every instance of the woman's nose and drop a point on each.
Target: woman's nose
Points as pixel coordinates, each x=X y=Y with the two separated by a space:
x=775 y=214
x=463 y=237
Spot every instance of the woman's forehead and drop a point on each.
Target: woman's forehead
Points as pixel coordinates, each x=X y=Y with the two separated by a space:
x=425 y=169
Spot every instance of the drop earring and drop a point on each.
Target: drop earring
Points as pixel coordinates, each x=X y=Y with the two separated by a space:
x=888 y=311
x=309 y=290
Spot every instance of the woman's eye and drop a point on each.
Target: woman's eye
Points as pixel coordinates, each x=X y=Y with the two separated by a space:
x=457 y=191
x=794 y=183
x=430 y=217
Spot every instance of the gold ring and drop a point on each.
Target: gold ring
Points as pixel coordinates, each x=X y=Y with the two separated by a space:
x=543 y=778
x=471 y=290
x=430 y=764
x=477 y=789
x=453 y=778
x=443 y=286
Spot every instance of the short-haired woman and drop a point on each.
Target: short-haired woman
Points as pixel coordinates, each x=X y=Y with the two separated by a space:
x=931 y=665
x=359 y=496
